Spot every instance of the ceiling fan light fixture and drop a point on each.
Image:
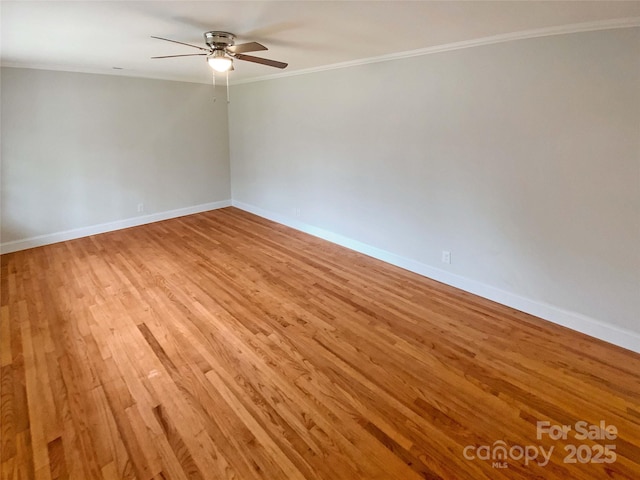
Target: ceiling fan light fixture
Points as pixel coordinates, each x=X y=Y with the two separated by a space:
x=219 y=61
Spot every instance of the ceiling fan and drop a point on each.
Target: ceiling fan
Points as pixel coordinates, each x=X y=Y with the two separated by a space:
x=221 y=51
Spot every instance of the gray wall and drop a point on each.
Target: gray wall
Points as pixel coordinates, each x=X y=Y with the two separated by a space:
x=82 y=149
x=521 y=158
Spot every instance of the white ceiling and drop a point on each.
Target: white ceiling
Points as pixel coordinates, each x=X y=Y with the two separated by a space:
x=95 y=36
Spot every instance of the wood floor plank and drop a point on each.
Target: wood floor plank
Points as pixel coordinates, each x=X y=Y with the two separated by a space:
x=5 y=337
x=224 y=346
x=36 y=418
x=57 y=462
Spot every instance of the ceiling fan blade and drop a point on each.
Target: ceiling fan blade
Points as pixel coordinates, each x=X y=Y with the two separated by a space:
x=186 y=55
x=182 y=43
x=263 y=61
x=247 y=47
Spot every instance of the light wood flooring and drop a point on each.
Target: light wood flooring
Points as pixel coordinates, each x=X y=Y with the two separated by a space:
x=224 y=346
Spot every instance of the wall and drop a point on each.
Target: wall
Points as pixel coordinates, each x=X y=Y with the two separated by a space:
x=521 y=158
x=81 y=150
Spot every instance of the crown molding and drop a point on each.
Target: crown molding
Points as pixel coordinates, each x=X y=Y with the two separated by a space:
x=99 y=71
x=478 y=42
x=611 y=24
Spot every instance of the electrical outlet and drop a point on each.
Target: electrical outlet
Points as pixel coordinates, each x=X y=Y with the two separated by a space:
x=296 y=211
x=141 y=207
x=446 y=256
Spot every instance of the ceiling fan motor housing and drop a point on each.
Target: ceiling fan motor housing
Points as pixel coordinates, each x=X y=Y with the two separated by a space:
x=219 y=40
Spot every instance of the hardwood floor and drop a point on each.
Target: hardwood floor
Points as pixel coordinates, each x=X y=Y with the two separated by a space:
x=221 y=345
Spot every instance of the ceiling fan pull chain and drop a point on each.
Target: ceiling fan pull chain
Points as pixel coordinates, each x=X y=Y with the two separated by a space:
x=213 y=74
x=228 y=99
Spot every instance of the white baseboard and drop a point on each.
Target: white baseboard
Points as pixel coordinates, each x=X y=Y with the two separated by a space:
x=604 y=331
x=41 y=240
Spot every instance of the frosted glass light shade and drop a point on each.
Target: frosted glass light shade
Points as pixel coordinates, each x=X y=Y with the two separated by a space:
x=219 y=61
